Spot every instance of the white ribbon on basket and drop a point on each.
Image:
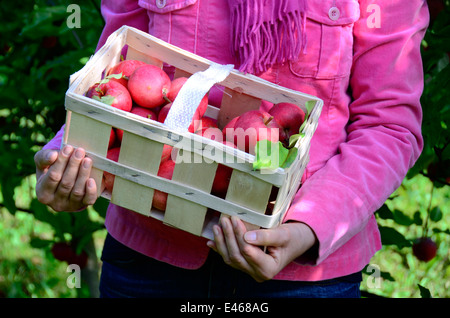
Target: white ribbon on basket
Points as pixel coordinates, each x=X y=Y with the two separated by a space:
x=191 y=93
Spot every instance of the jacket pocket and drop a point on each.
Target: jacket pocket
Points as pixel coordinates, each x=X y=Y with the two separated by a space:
x=329 y=33
x=164 y=6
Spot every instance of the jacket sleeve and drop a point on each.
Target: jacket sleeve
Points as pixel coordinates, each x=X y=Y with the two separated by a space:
x=119 y=13
x=115 y=14
x=384 y=130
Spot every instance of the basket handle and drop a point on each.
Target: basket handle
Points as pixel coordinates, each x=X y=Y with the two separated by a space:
x=192 y=92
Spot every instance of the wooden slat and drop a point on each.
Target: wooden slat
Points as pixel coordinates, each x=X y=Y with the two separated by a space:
x=198 y=174
x=79 y=130
x=181 y=73
x=228 y=109
x=142 y=154
x=250 y=192
x=133 y=54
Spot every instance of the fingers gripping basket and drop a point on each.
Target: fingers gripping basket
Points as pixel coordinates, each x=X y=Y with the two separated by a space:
x=190 y=204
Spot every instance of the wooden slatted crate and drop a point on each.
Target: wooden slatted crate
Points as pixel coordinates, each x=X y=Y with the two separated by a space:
x=190 y=203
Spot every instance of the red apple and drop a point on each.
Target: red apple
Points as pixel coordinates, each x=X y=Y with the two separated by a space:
x=165 y=171
x=119 y=134
x=111 y=93
x=229 y=128
x=144 y=112
x=49 y=42
x=212 y=133
x=112 y=138
x=222 y=177
x=175 y=87
x=62 y=251
x=272 y=200
x=221 y=180
x=141 y=111
x=290 y=117
x=66 y=252
x=253 y=126
x=424 y=249
x=207 y=127
x=168 y=153
x=126 y=68
x=439 y=171
x=149 y=85
x=163 y=112
x=206 y=123
x=108 y=178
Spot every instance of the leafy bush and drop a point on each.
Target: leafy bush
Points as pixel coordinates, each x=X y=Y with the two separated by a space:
x=40 y=48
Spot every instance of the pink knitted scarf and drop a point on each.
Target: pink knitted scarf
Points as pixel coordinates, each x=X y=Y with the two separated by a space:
x=265 y=32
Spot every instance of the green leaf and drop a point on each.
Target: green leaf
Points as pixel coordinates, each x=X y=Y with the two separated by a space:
x=116 y=76
x=100 y=206
x=43 y=20
x=309 y=107
x=385 y=213
x=83 y=225
x=401 y=218
x=269 y=155
x=294 y=138
x=64 y=222
x=292 y=155
x=107 y=99
x=424 y=292
x=436 y=214
x=390 y=236
x=42 y=213
x=417 y=218
x=7 y=190
x=436 y=230
x=107 y=78
x=387 y=276
x=40 y=243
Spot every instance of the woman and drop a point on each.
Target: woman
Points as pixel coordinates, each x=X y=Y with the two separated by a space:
x=362 y=58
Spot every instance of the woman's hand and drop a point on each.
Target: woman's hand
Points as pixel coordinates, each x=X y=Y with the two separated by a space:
x=63 y=179
x=242 y=250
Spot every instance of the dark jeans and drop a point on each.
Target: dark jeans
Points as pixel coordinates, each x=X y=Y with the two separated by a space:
x=128 y=274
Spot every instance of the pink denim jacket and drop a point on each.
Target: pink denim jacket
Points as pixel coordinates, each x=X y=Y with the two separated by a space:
x=363 y=59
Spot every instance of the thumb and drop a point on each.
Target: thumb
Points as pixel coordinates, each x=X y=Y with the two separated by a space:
x=265 y=237
x=44 y=158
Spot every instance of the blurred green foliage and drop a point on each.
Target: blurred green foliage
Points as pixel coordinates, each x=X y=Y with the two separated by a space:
x=39 y=52
x=40 y=47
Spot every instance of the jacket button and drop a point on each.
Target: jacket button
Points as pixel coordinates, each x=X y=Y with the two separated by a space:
x=334 y=13
x=161 y=3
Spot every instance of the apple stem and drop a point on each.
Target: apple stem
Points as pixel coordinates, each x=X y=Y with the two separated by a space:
x=165 y=91
x=268 y=120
